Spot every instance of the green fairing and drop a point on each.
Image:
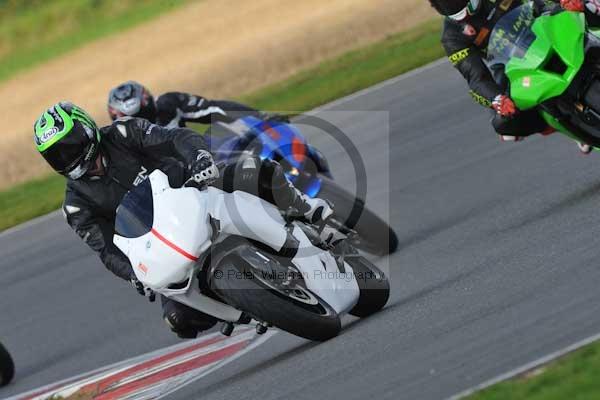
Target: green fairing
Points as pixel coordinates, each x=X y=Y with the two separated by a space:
x=44 y=129
x=560 y=34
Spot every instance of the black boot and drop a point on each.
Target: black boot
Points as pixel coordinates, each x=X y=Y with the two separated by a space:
x=185 y=321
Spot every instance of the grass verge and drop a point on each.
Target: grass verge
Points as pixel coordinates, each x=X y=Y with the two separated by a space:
x=574 y=376
x=352 y=71
x=326 y=82
x=31 y=199
x=34 y=31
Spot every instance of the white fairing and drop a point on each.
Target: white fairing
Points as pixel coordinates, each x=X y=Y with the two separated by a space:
x=239 y=212
x=182 y=232
x=180 y=219
x=339 y=289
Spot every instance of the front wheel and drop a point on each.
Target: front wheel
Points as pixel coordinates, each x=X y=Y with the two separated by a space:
x=375 y=235
x=373 y=284
x=288 y=306
x=7 y=367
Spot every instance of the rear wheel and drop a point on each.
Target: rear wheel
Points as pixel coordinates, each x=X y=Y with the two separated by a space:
x=290 y=306
x=375 y=235
x=7 y=367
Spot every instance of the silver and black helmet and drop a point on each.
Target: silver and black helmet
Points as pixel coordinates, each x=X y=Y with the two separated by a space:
x=131 y=99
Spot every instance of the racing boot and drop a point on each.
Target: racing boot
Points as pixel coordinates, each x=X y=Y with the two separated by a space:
x=585 y=149
x=509 y=138
x=275 y=187
x=316 y=211
x=185 y=321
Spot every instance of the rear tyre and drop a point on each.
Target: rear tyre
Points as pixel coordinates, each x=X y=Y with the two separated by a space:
x=375 y=235
x=7 y=367
x=373 y=284
x=240 y=286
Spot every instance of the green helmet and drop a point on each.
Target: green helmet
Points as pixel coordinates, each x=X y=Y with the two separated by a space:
x=68 y=139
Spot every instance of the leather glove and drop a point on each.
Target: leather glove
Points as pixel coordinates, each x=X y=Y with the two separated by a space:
x=572 y=5
x=203 y=169
x=504 y=106
x=142 y=289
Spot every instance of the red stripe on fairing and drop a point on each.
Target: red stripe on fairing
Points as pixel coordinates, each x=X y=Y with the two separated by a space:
x=171 y=372
x=173 y=246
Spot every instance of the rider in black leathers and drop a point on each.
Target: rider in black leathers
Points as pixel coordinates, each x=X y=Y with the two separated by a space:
x=465 y=36
x=174 y=109
x=103 y=164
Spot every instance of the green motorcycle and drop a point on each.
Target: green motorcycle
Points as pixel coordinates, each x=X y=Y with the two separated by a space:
x=551 y=60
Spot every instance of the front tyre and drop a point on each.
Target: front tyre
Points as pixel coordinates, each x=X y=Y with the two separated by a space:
x=375 y=235
x=7 y=367
x=301 y=313
x=373 y=284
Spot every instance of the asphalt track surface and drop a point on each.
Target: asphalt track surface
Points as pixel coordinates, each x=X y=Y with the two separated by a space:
x=497 y=267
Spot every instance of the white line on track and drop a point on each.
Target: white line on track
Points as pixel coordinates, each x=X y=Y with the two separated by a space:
x=257 y=342
x=112 y=367
x=30 y=223
x=527 y=367
x=118 y=376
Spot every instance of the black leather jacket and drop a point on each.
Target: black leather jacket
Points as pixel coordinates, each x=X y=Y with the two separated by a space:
x=132 y=148
x=175 y=109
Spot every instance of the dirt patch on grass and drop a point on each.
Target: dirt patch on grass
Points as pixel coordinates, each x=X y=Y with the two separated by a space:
x=215 y=48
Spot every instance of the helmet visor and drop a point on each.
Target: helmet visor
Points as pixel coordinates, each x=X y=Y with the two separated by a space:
x=73 y=155
x=61 y=158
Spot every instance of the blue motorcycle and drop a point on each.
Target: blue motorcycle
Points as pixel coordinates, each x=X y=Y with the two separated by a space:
x=308 y=170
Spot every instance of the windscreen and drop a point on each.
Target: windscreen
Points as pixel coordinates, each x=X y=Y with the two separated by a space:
x=512 y=36
x=135 y=214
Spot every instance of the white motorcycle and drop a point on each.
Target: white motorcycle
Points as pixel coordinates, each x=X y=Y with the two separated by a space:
x=231 y=255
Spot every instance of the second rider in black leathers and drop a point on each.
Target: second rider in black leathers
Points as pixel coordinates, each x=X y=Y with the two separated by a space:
x=174 y=109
